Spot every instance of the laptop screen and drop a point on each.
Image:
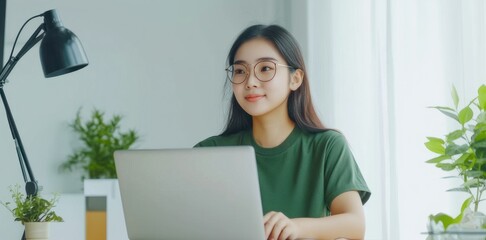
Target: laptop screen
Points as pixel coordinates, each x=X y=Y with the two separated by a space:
x=193 y=193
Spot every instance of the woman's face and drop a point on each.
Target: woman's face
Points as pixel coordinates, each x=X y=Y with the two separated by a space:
x=259 y=98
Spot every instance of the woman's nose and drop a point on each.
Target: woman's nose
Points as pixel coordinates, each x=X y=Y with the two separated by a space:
x=252 y=81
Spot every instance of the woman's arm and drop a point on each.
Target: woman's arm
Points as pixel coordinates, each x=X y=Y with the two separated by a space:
x=346 y=221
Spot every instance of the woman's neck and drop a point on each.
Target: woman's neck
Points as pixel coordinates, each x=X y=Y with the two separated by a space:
x=270 y=133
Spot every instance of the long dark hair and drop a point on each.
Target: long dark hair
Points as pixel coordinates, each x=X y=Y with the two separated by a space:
x=300 y=107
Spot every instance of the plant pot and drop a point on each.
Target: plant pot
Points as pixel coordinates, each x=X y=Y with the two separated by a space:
x=472 y=221
x=37 y=230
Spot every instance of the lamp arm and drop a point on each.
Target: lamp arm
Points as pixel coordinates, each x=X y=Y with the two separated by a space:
x=33 y=40
x=31 y=186
x=12 y=61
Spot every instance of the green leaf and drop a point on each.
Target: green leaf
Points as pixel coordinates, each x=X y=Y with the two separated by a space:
x=480 y=144
x=480 y=126
x=444 y=218
x=481 y=118
x=480 y=161
x=443 y=108
x=465 y=115
x=447 y=177
x=438 y=159
x=479 y=133
x=482 y=97
x=447 y=111
x=435 y=147
x=472 y=183
x=446 y=166
x=465 y=204
x=462 y=159
x=460 y=189
x=474 y=174
x=434 y=139
x=450 y=114
x=453 y=149
x=455 y=97
x=481 y=153
x=454 y=135
x=448 y=220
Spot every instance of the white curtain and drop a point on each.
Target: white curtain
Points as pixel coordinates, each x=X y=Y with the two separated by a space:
x=375 y=66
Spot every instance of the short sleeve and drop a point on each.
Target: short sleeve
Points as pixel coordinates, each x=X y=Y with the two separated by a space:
x=341 y=172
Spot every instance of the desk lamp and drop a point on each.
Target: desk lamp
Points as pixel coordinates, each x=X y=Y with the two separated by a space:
x=60 y=53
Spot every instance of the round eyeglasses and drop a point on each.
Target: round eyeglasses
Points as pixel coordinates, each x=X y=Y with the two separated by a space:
x=264 y=71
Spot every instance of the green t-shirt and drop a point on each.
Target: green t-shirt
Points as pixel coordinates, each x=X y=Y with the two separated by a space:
x=301 y=176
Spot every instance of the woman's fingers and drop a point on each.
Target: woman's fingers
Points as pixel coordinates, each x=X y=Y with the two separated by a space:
x=278 y=226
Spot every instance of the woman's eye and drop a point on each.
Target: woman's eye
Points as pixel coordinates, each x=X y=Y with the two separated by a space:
x=239 y=71
x=266 y=69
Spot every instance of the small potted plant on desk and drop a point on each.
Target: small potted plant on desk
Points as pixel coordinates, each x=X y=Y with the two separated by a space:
x=463 y=151
x=34 y=212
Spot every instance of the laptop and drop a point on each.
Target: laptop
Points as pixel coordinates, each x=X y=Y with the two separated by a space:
x=197 y=193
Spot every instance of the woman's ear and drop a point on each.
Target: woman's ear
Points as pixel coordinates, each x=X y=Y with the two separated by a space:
x=296 y=79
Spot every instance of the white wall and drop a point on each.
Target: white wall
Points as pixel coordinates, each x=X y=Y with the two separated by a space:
x=158 y=63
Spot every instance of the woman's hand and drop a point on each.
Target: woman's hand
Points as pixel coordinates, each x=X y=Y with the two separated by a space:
x=279 y=227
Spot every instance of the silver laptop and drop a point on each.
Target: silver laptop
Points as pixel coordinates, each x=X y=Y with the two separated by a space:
x=197 y=193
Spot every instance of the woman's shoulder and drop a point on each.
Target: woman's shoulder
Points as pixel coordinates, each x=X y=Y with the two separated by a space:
x=326 y=140
x=238 y=138
x=327 y=136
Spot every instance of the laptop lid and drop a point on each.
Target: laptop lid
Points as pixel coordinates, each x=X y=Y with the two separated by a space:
x=197 y=193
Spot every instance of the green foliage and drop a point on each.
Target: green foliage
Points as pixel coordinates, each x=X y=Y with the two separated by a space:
x=464 y=149
x=100 y=140
x=448 y=220
x=32 y=208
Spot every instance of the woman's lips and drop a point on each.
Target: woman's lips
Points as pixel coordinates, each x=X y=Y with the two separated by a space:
x=253 y=97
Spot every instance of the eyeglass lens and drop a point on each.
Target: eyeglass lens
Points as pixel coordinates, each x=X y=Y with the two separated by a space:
x=264 y=71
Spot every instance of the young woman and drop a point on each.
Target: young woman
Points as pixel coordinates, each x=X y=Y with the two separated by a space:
x=311 y=186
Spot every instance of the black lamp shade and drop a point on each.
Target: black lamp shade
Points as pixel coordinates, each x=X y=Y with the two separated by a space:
x=61 y=51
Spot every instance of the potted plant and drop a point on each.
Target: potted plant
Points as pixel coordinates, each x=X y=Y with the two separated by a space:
x=100 y=140
x=34 y=212
x=463 y=151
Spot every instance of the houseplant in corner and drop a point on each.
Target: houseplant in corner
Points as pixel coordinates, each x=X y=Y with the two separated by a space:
x=463 y=151
x=34 y=212
x=100 y=138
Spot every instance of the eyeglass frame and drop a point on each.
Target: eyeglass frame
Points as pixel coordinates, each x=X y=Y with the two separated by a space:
x=254 y=72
